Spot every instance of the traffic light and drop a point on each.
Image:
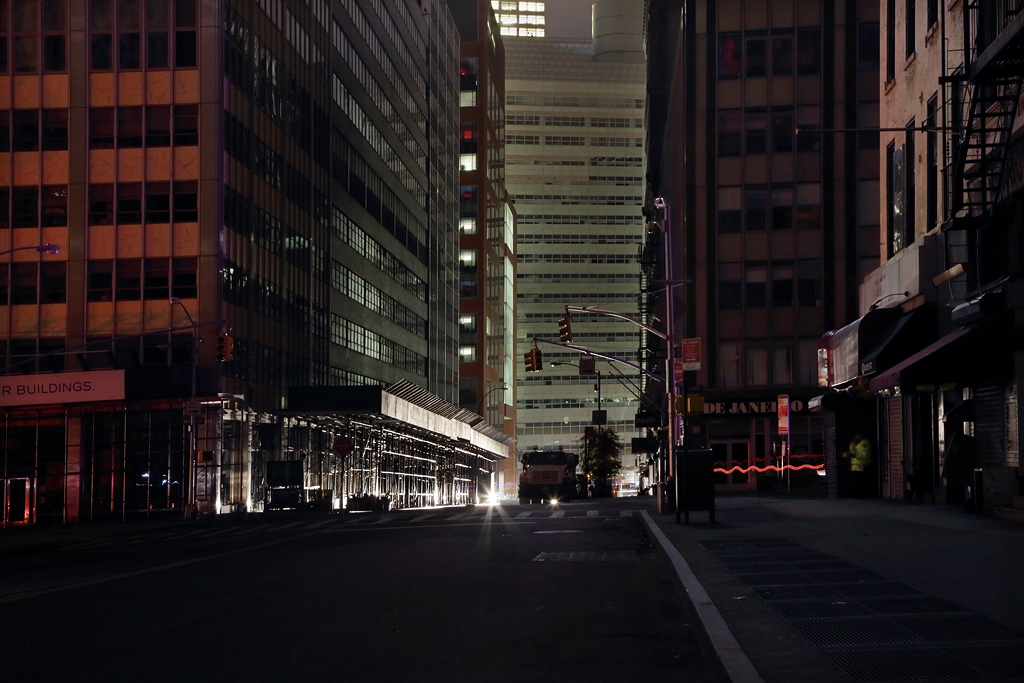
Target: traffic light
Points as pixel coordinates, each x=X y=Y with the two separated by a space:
x=225 y=347
x=533 y=360
x=565 y=328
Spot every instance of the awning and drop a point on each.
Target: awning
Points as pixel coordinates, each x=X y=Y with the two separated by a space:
x=909 y=335
x=970 y=355
x=848 y=344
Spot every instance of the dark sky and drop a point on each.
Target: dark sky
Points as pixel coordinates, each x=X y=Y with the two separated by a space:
x=568 y=18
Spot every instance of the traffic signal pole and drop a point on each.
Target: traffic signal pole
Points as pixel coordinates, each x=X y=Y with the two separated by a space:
x=670 y=378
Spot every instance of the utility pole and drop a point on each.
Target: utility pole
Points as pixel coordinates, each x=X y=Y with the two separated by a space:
x=670 y=341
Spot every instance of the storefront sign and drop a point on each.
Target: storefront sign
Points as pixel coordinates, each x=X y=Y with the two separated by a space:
x=729 y=407
x=783 y=411
x=62 y=387
x=691 y=354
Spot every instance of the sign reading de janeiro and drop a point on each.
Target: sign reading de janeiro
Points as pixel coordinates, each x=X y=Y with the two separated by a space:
x=62 y=387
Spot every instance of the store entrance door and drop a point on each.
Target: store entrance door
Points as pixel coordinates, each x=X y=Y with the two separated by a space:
x=732 y=455
x=17 y=501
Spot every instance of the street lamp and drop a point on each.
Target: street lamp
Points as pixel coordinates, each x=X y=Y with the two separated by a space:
x=41 y=248
x=193 y=411
x=483 y=404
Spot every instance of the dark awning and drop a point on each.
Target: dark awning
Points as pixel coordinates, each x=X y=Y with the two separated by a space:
x=970 y=355
x=847 y=345
x=907 y=336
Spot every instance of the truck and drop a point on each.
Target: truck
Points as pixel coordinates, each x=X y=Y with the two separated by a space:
x=548 y=475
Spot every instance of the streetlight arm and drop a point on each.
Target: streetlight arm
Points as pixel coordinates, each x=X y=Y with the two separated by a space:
x=623 y=316
x=41 y=248
x=601 y=355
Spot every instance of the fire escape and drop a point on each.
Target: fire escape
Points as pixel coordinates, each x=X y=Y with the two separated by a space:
x=982 y=94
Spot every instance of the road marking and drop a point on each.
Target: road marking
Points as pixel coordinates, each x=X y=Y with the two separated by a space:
x=737 y=665
x=459 y=515
x=385 y=518
x=523 y=514
x=326 y=521
x=421 y=518
x=140 y=572
x=593 y=513
x=247 y=529
x=560 y=513
x=627 y=513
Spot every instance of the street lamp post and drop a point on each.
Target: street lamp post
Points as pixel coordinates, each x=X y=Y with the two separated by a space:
x=193 y=438
x=483 y=399
x=41 y=248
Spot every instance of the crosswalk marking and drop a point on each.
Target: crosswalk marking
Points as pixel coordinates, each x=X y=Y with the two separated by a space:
x=521 y=515
x=592 y=513
x=421 y=517
x=558 y=513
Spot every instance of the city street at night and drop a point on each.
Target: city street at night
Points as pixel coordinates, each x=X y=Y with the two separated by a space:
x=577 y=592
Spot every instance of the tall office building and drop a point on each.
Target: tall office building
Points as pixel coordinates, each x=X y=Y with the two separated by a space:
x=523 y=19
x=255 y=299
x=775 y=230
x=486 y=231
x=575 y=157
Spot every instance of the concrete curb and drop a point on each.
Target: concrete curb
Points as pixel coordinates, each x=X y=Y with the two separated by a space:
x=735 y=662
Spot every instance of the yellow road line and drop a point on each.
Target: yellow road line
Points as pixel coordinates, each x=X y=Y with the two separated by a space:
x=172 y=565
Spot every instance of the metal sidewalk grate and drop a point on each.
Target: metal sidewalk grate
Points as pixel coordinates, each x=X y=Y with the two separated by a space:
x=847 y=632
x=924 y=604
x=837 y=609
x=902 y=665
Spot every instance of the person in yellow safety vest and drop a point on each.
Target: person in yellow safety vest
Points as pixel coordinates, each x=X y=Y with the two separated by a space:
x=860 y=453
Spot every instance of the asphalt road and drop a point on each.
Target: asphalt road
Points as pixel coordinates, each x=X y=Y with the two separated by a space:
x=468 y=594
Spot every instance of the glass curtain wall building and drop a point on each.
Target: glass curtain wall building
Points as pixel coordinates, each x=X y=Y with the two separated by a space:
x=255 y=205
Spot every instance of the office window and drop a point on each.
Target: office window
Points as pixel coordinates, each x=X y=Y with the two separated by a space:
x=730 y=56
x=910 y=21
x=808 y=206
x=157 y=279
x=468 y=277
x=54 y=201
x=24 y=286
x=782 y=208
x=158 y=202
x=808 y=283
x=756 y=54
x=100 y=281
x=808 y=55
x=756 y=131
x=890 y=40
x=756 y=199
x=782 y=129
x=782 y=284
x=26 y=130
x=782 y=365
x=186 y=124
x=53 y=282
x=128 y=276
x=5 y=208
x=730 y=286
x=933 y=12
x=55 y=129
x=730 y=133
x=129 y=127
x=808 y=117
x=186 y=202
x=757 y=366
x=782 y=52
x=756 y=285
x=158 y=126
x=139 y=33
x=54 y=27
x=868 y=47
x=129 y=203
x=909 y=180
x=730 y=360
x=184 y=281
x=25 y=207
x=730 y=209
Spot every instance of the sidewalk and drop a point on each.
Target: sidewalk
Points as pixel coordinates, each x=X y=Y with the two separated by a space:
x=815 y=589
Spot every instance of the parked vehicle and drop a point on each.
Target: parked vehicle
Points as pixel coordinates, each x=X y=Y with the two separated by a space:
x=548 y=476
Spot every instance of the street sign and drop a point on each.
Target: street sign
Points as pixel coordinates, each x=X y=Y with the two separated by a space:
x=646 y=418
x=599 y=417
x=588 y=365
x=691 y=354
x=783 y=409
x=193 y=407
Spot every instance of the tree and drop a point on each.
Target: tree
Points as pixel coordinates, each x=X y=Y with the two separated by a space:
x=602 y=458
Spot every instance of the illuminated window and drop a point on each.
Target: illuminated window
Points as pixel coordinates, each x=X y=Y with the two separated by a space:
x=531 y=32
x=505 y=31
x=467 y=162
x=508 y=19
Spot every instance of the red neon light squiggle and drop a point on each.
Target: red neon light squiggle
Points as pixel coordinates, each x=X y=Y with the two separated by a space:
x=773 y=468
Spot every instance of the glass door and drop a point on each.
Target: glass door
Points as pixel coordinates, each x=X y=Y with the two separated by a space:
x=732 y=464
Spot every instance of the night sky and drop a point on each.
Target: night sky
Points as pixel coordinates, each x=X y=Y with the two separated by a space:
x=568 y=18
